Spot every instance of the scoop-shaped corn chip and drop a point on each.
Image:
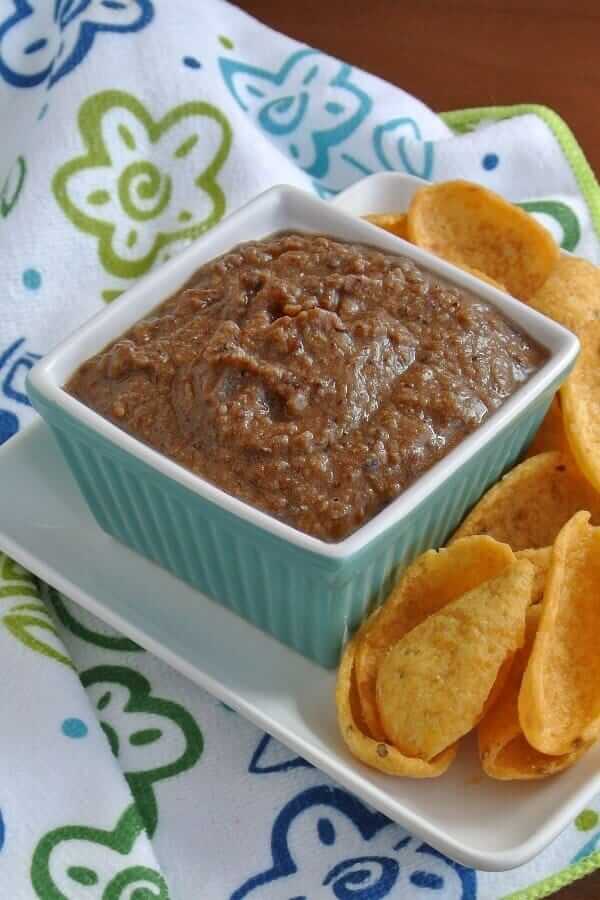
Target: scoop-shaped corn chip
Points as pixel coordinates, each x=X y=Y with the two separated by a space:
x=540 y=560
x=392 y=222
x=397 y=223
x=559 y=701
x=503 y=748
x=376 y=754
x=433 y=684
x=580 y=399
x=571 y=294
x=498 y=686
x=551 y=434
x=517 y=760
x=472 y=226
x=481 y=275
x=432 y=581
x=530 y=505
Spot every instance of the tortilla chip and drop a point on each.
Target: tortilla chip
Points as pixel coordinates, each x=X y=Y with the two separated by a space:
x=559 y=701
x=481 y=275
x=378 y=755
x=551 y=434
x=433 y=580
x=433 y=684
x=580 y=399
x=540 y=560
x=529 y=506
x=472 y=226
x=571 y=295
x=499 y=684
x=503 y=748
x=392 y=222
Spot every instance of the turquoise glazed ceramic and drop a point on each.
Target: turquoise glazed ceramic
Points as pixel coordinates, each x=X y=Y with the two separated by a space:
x=307 y=593
x=301 y=598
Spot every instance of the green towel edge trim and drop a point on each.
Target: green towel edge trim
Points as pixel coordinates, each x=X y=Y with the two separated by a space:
x=463 y=120
x=559 y=880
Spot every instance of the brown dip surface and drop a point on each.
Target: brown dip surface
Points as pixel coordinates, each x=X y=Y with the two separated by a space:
x=312 y=378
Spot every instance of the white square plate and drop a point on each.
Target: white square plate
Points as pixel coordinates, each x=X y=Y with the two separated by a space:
x=45 y=525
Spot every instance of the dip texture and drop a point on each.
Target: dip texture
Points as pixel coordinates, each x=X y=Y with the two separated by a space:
x=312 y=378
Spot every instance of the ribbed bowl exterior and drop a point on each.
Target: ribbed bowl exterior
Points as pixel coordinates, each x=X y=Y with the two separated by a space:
x=308 y=601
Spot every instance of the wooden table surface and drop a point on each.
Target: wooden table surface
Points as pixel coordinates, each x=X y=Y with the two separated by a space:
x=459 y=53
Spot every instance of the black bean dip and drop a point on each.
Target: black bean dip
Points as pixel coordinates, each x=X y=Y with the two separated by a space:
x=314 y=379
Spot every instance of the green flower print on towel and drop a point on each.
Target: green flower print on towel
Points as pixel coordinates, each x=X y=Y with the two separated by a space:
x=24 y=615
x=12 y=187
x=65 y=613
x=77 y=861
x=143 y=184
x=566 y=221
x=152 y=738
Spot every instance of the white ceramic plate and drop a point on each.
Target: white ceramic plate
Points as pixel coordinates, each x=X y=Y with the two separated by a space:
x=45 y=525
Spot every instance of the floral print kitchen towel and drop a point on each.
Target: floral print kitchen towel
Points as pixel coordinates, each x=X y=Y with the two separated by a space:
x=129 y=128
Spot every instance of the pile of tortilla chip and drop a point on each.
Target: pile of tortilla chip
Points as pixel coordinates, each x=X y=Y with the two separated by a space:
x=498 y=631
x=478 y=231
x=476 y=635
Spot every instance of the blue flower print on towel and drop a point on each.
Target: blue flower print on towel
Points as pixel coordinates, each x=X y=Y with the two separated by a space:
x=9 y=425
x=270 y=756
x=15 y=363
x=327 y=844
x=398 y=145
x=589 y=847
x=309 y=106
x=43 y=40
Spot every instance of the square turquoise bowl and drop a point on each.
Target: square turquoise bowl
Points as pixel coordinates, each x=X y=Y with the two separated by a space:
x=307 y=593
